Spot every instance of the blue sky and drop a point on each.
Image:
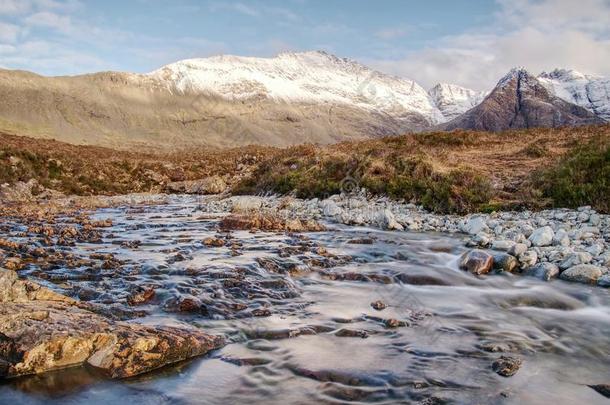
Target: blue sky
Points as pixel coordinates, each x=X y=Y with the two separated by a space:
x=468 y=42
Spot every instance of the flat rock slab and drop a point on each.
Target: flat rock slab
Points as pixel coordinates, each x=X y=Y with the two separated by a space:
x=42 y=331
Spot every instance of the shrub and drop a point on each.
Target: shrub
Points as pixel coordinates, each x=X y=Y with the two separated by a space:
x=582 y=177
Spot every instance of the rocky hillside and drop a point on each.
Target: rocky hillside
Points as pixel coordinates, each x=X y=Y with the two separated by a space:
x=520 y=100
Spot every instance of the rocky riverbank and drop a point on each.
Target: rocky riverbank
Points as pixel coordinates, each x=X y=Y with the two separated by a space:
x=42 y=331
x=573 y=245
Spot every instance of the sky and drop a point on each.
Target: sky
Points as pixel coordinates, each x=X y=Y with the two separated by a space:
x=467 y=42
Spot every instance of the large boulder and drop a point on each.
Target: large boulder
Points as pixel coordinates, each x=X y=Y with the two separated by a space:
x=41 y=331
x=476 y=262
x=582 y=273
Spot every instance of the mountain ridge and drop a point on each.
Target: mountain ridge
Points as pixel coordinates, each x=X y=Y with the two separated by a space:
x=229 y=100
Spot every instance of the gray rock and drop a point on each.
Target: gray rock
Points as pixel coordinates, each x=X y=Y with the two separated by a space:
x=528 y=259
x=504 y=245
x=208 y=185
x=595 y=219
x=582 y=273
x=475 y=225
x=604 y=281
x=542 y=236
x=518 y=249
x=526 y=229
x=330 y=208
x=575 y=259
x=561 y=238
x=544 y=271
x=385 y=219
x=481 y=239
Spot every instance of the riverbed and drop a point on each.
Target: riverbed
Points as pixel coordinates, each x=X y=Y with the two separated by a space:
x=304 y=317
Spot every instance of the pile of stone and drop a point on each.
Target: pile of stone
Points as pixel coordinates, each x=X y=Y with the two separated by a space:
x=571 y=244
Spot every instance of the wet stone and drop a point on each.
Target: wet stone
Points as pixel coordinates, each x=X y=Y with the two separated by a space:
x=378 y=305
x=476 y=262
x=507 y=366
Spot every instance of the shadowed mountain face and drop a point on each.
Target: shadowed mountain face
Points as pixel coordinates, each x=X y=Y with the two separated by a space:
x=521 y=101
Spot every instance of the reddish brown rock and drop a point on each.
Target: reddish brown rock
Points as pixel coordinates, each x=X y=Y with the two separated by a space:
x=476 y=261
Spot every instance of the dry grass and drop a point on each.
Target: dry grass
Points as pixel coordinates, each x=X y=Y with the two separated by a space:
x=457 y=171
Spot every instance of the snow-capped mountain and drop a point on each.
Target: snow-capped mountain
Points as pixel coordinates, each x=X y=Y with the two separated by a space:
x=308 y=77
x=520 y=100
x=588 y=91
x=293 y=98
x=453 y=100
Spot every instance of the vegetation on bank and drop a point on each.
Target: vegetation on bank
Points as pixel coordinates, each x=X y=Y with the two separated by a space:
x=582 y=177
x=449 y=172
x=89 y=170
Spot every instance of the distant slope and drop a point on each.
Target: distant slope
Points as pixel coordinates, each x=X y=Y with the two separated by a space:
x=453 y=100
x=219 y=101
x=521 y=101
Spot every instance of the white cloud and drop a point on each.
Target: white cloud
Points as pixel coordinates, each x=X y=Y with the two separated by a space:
x=538 y=34
x=10 y=7
x=46 y=19
x=9 y=33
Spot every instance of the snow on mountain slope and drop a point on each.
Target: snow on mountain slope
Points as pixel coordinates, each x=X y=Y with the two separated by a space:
x=588 y=91
x=308 y=77
x=453 y=100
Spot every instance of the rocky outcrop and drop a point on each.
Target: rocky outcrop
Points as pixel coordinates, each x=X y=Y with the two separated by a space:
x=41 y=331
x=209 y=185
x=268 y=222
x=520 y=101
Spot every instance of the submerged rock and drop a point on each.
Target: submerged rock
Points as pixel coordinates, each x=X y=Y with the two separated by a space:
x=506 y=366
x=378 y=305
x=476 y=261
x=41 y=331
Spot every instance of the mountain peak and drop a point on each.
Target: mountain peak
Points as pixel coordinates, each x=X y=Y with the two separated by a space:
x=517 y=72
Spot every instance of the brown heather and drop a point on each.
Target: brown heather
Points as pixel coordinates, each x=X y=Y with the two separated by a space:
x=455 y=172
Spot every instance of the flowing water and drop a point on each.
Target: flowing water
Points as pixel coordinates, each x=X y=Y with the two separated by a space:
x=296 y=311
